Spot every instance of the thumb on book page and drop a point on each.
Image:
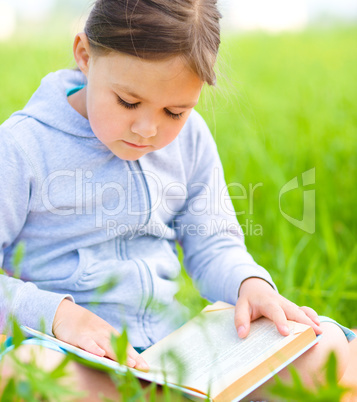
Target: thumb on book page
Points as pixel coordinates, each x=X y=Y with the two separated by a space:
x=242 y=318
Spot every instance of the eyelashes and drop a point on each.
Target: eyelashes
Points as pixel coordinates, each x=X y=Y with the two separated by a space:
x=175 y=116
x=132 y=106
x=126 y=104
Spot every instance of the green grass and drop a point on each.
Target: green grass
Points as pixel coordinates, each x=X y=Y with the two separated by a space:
x=285 y=104
x=288 y=105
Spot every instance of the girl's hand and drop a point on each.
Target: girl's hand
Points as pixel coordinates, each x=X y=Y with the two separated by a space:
x=82 y=328
x=257 y=298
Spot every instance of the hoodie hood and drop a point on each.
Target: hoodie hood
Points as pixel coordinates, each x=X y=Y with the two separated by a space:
x=49 y=104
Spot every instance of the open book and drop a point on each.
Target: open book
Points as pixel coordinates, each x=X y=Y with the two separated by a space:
x=206 y=358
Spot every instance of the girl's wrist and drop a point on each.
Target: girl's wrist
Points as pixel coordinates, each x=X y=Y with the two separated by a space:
x=253 y=282
x=62 y=311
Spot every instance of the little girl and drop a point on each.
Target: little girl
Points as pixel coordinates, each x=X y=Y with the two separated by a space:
x=106 y=168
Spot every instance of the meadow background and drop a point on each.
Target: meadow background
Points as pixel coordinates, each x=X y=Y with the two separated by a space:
x=284 y=104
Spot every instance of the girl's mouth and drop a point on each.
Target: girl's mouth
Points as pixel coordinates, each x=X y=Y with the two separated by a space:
x=134 y=146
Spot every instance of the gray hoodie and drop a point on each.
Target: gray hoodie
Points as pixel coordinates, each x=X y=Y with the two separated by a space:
x=102 y=231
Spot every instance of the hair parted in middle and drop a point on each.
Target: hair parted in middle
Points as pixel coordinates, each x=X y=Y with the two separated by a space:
x=157 y=30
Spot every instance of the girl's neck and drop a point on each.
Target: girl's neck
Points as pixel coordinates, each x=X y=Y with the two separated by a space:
x=78 y=102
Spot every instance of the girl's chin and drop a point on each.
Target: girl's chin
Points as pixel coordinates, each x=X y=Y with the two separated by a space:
x=132 y=154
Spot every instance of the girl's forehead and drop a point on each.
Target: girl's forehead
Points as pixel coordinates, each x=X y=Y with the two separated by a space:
x=164 y=70
x=144 y=79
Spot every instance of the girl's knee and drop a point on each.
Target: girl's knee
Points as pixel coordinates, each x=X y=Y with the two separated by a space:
x=88 y=382
x=333 y=340
x=44 y=358
x=311 y=365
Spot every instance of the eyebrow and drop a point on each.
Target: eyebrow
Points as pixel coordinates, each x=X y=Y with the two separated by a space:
x=128 y=91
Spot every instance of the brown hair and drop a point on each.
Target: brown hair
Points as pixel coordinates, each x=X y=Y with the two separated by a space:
x=159 y=29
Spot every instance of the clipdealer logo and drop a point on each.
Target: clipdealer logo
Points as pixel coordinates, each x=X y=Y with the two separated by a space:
x=307 y=223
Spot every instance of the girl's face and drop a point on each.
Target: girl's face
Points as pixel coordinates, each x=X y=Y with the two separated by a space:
x=134 y=106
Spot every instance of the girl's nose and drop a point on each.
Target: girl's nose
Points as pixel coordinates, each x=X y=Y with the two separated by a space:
x=145 y=128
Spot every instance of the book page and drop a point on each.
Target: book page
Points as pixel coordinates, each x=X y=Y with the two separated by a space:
x=211 y=353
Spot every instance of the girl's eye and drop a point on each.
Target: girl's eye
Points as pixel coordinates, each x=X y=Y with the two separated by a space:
x=174 y=115
x=126 y=104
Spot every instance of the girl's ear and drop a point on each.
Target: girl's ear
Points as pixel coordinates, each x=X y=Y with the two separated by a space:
x=81 y=52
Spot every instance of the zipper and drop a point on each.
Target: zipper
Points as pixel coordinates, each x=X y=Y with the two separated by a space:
x=146 y=190
x=150 y=297
x=145 y=187
x=150 y=293
x=135 y=166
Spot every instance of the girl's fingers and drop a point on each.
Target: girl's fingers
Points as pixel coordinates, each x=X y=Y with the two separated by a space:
x=298 y=314
x=104 y=342
x=275 y=313
x=140 y=363
x=133 y=357
x=242 y=318
x=275 y=307
x=88 y=344
x=311 y=313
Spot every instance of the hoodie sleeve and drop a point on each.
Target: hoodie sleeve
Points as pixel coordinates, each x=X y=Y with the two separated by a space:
x=215 y=255
x=23 y=300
